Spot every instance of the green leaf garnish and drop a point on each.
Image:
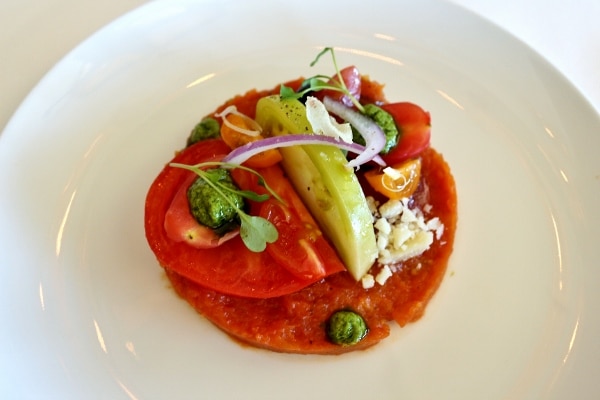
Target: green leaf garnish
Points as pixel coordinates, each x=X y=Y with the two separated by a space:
x=250 y=195
x=287 y=92
x=261 y=179
x=320 y=82
x=255 y=231
x=321 y=53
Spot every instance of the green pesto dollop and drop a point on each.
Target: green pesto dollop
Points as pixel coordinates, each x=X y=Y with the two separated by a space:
x=346 y=328
x=210 y=207
x=208 y=128
x=386 y=123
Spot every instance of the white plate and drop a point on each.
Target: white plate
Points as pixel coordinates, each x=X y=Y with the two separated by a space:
x=87 y=313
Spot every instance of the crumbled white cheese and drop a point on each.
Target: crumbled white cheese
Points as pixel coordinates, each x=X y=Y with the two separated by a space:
x=372 y=204
x=383 y=275
x=402 y=232
x=383 y=225
x=436 y=225
x=390 y=209
x=367 y=281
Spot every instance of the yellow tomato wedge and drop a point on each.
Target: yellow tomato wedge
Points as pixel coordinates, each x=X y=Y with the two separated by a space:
x=397 y=181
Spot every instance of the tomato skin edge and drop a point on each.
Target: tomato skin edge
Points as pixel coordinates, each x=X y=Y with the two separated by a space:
x=230 y=268
x=352 y=80
x=414 y=126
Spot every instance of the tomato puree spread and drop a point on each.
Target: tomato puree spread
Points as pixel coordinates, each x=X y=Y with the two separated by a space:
x=295 y=322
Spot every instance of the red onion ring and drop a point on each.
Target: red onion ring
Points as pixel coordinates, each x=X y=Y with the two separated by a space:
x=368 y=129
x=243 y=153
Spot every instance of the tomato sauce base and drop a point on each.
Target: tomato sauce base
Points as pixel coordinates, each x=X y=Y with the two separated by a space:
x=295 y=322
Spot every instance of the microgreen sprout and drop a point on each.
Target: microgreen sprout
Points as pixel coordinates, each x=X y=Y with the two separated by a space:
x=255 y=231
x=321 y=82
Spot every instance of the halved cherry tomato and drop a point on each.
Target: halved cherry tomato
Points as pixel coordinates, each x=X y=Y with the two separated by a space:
x=352 y=80
x=181 y=226
x=301 y=247
x=295 y=247
x=401 y=181
x=229 y=268
x=235 y=139
x=414 y=126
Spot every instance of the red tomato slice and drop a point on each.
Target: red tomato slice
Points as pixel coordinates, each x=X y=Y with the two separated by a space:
x=414 y=125
x=301 y=247
x=181 y=226
x=296 y=249
x=352 y=80
x=229 y=268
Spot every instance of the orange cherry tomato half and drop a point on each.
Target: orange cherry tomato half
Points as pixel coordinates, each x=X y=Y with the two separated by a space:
x=235 y=138
x=398 y=181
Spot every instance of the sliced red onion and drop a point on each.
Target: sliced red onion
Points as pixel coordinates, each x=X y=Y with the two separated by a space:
x=243 y=153
x=369 y=130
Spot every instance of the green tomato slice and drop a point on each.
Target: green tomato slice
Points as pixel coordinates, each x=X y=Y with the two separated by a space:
x=329 y=189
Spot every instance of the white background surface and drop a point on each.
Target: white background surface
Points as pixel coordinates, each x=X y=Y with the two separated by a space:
x=35 y=34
